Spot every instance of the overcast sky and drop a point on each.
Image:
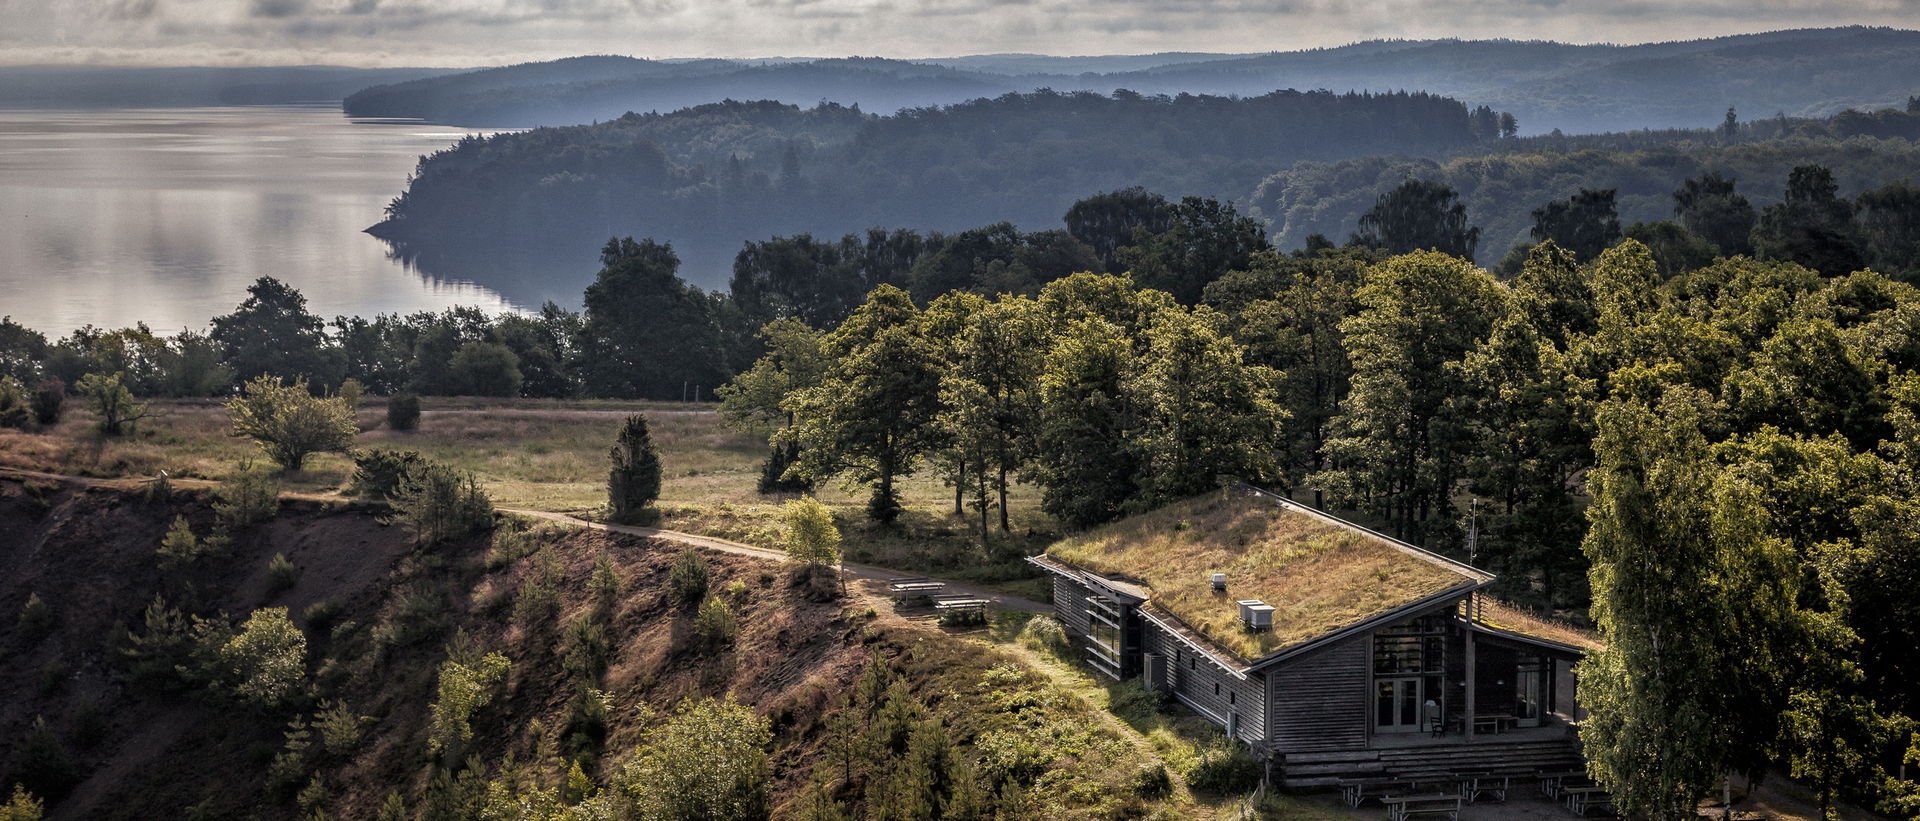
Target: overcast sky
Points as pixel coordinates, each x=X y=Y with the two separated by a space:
x=490 y=32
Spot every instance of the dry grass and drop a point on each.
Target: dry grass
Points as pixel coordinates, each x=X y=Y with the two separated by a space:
x=1507 y=617
x=1318 y=576
x=552 y=455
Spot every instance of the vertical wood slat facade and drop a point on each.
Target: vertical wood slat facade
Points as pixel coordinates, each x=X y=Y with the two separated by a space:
x=1209 y=690
x=1320 y=699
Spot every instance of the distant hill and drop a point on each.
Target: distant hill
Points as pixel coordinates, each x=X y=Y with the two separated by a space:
x=1548 y=85
x=113 y=87
x=708 y=178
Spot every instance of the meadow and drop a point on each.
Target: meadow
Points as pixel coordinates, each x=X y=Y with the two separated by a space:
x=551 y=455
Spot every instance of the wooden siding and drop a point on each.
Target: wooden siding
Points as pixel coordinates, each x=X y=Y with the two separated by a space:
x=1320 y=698
x=1209 y=690
x=1070 y=605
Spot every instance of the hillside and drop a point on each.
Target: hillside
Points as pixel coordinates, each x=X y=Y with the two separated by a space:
x=708 y=178
x=379 y=617
x=1548 y=85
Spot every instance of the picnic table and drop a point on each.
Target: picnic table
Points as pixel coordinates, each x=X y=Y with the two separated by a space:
x=1494 y=723
x=959 y=602
x=1475 y=785
x=1401 y=807
x=1581 y=799
x=1357 y=792
x=914 y=586
x=1551 y=783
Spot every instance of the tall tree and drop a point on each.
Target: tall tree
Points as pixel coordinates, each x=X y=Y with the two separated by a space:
x=1402 y=444
x=1585 y=223
x=1709 y=206
x=1658 y=735
x=1205 y=238
x=633 y=482
x=1887 y=222
x=1813 y=226
x=991 y=392
x=1105 y=222
x=646 y=332
x=1419 y=216
x=1204 y=412
x=1085 y=473
x=272 y=333
x=871 y=417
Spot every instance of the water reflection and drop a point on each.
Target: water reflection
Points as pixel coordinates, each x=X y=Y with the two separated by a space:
x=164 y=216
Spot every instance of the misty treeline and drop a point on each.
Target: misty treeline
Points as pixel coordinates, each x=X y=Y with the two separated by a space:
x=1501 y=188
x=707 y=177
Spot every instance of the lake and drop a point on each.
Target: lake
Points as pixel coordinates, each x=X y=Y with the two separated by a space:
x=165 y=216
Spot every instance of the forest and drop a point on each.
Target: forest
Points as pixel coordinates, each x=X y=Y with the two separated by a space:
x=1549 y=85
x=708 y=177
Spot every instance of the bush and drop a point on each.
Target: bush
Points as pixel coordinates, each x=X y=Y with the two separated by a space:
x=22 y=807
x=281 y=574
x=485 y=369
x=464 y=688
x=181 y=547
x=320 y=616
x=289 y=422
x=812 y=539
x=160 y=653
x=441 y=504
x=265 y=664
x=36 y=619
x=42 y=764
x=715 y=624
x=1045 y=633
x=963 y=618
x=403 y=412
x=14 y=409
x=586 y=726
x=377 y=474
x=634 y=482
x=708 y=761
x=340 y=729
x=1152 y=781
x=536 y=603
x=604 y=586
x=687 y=579
x=587 y=651
x=247 y=497
x=112 y=402
x=49 y=398
x=773 y=472
x=1225 y=767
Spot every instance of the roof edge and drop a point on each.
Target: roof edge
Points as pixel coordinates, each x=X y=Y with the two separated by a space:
x=1457 y=591
x=1408 y=548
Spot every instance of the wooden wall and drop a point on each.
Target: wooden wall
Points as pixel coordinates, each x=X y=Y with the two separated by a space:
x=1070 y=605
x=1210 y=690
x=1320 y=699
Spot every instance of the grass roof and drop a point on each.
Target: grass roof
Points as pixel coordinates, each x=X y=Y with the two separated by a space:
x=1499 y=614
x=1318 y=575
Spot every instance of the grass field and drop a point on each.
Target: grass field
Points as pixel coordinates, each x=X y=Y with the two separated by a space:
x=552 y=455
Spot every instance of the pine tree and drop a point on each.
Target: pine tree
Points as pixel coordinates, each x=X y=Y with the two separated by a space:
x=634 y=482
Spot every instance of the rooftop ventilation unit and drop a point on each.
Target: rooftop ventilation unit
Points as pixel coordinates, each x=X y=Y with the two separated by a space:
x=1256 y=615
x=1219 y=582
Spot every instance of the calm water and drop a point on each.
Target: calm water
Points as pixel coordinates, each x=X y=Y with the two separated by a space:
x=164 y=216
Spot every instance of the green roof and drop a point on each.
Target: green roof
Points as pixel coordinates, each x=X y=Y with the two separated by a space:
x=1319 y=573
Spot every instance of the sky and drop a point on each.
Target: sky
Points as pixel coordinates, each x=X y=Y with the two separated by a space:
x=494 y=32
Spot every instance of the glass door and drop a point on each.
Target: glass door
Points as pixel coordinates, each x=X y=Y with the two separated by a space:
x=1529 y=699
x=1397 y=705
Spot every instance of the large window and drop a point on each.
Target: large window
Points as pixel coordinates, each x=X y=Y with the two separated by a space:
x=1104 y=640
x=1408 y=661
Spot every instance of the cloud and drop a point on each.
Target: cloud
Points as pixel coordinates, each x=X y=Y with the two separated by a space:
x=487 y=32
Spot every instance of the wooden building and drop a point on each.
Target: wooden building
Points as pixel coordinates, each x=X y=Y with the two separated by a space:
x=1335 y=651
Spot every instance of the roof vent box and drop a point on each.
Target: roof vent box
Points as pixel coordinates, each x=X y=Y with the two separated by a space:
x=1256 y=615
x=1219 y=582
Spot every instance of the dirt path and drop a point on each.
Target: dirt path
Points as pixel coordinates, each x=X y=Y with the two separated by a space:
x=860 y=572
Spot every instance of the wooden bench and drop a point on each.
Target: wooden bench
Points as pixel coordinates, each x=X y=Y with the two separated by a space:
x=1580 y=800
x=1357 y=792
x=915 y=586
x=1402 y=807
